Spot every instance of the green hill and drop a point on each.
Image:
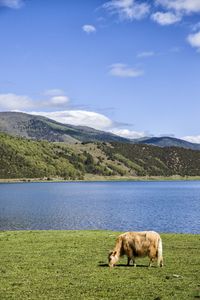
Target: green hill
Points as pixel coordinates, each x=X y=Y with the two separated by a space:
x=24 y=158
x=148 y=160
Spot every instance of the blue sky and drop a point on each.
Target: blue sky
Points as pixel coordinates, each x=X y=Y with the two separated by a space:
x=126 y=66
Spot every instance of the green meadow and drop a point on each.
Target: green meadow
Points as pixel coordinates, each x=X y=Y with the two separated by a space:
x=73 y=265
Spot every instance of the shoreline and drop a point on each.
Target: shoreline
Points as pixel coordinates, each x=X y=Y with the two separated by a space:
x=86 y=231
x=90 y=178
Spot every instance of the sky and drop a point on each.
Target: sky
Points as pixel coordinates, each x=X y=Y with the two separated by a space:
x=130 y=67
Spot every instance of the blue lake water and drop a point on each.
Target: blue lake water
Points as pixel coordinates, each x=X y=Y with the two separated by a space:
x=162 y=206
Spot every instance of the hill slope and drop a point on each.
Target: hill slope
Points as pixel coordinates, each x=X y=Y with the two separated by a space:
x=168 y=142
x=156 y=161
x=22 y=158
x=41 y=128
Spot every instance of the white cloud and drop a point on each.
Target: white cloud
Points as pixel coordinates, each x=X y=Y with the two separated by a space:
x=59 y=100
x=14 y=102
x=194 y=40
x=145 y=54
x=128 y=133
x=192 y=139
x=79 y=118
x=165 y=18
x=182 y=6
x=11 y=3
x=89 y=28
x=127 y=9
x=122 y=70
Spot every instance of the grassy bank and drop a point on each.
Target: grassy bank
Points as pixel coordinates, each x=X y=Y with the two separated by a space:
x=90 y=177
x=73 y=265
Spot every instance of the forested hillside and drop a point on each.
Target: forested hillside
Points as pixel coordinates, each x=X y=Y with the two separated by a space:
x=24 y=158
x=156 y=161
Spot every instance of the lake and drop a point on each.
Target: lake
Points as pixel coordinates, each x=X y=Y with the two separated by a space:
x=170 y=206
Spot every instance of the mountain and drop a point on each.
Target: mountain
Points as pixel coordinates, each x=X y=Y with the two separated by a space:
x=42 y=128
x=26 y=158
x=167 y=142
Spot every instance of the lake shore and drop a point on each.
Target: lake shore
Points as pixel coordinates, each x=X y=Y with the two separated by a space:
x=73 y=265
x=89 y=177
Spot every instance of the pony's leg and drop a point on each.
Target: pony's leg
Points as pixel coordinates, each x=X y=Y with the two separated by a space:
x=151 y=261
x=133 y=260
x=128 y=261
x=152 y=256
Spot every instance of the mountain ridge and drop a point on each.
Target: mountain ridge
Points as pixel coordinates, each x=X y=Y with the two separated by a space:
x=166 y=141
x=42 y=128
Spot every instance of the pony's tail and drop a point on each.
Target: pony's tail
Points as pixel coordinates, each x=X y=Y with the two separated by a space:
x=160 y=253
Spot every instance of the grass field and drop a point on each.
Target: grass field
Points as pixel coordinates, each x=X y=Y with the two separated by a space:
x=73 y=265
